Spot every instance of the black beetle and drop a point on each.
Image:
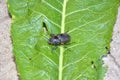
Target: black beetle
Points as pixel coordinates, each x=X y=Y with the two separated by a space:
x=59 y=39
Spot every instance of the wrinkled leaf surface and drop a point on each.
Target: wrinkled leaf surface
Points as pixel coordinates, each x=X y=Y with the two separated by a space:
x=88 y=22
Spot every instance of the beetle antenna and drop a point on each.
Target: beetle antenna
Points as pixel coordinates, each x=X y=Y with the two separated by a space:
x=46 y=38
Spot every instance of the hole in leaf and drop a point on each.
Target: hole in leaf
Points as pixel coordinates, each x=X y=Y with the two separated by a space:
x=108 y=51
x=93 y=65
x=106 y=48
x=92 y=62
x=44 y=27
x=30 y=59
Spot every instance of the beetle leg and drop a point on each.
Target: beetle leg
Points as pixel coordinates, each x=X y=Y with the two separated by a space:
x=55 y=47
x=52 y=35
x=67 y=48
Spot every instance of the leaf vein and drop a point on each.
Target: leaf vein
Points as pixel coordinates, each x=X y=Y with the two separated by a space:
x=76 y=61
x=85 y=24
x=51 y=6
x=81 y=74
x=50 y=60
x=57 y=25
x=60 y=2
x=61 y=48
x=70 y=13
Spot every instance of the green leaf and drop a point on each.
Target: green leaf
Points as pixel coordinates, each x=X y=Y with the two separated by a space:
x=88 y=22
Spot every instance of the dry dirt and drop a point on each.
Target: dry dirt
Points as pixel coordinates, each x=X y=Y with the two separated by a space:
x=7 y=65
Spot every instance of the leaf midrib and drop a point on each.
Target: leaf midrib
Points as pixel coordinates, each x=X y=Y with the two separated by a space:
x=61 y=47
